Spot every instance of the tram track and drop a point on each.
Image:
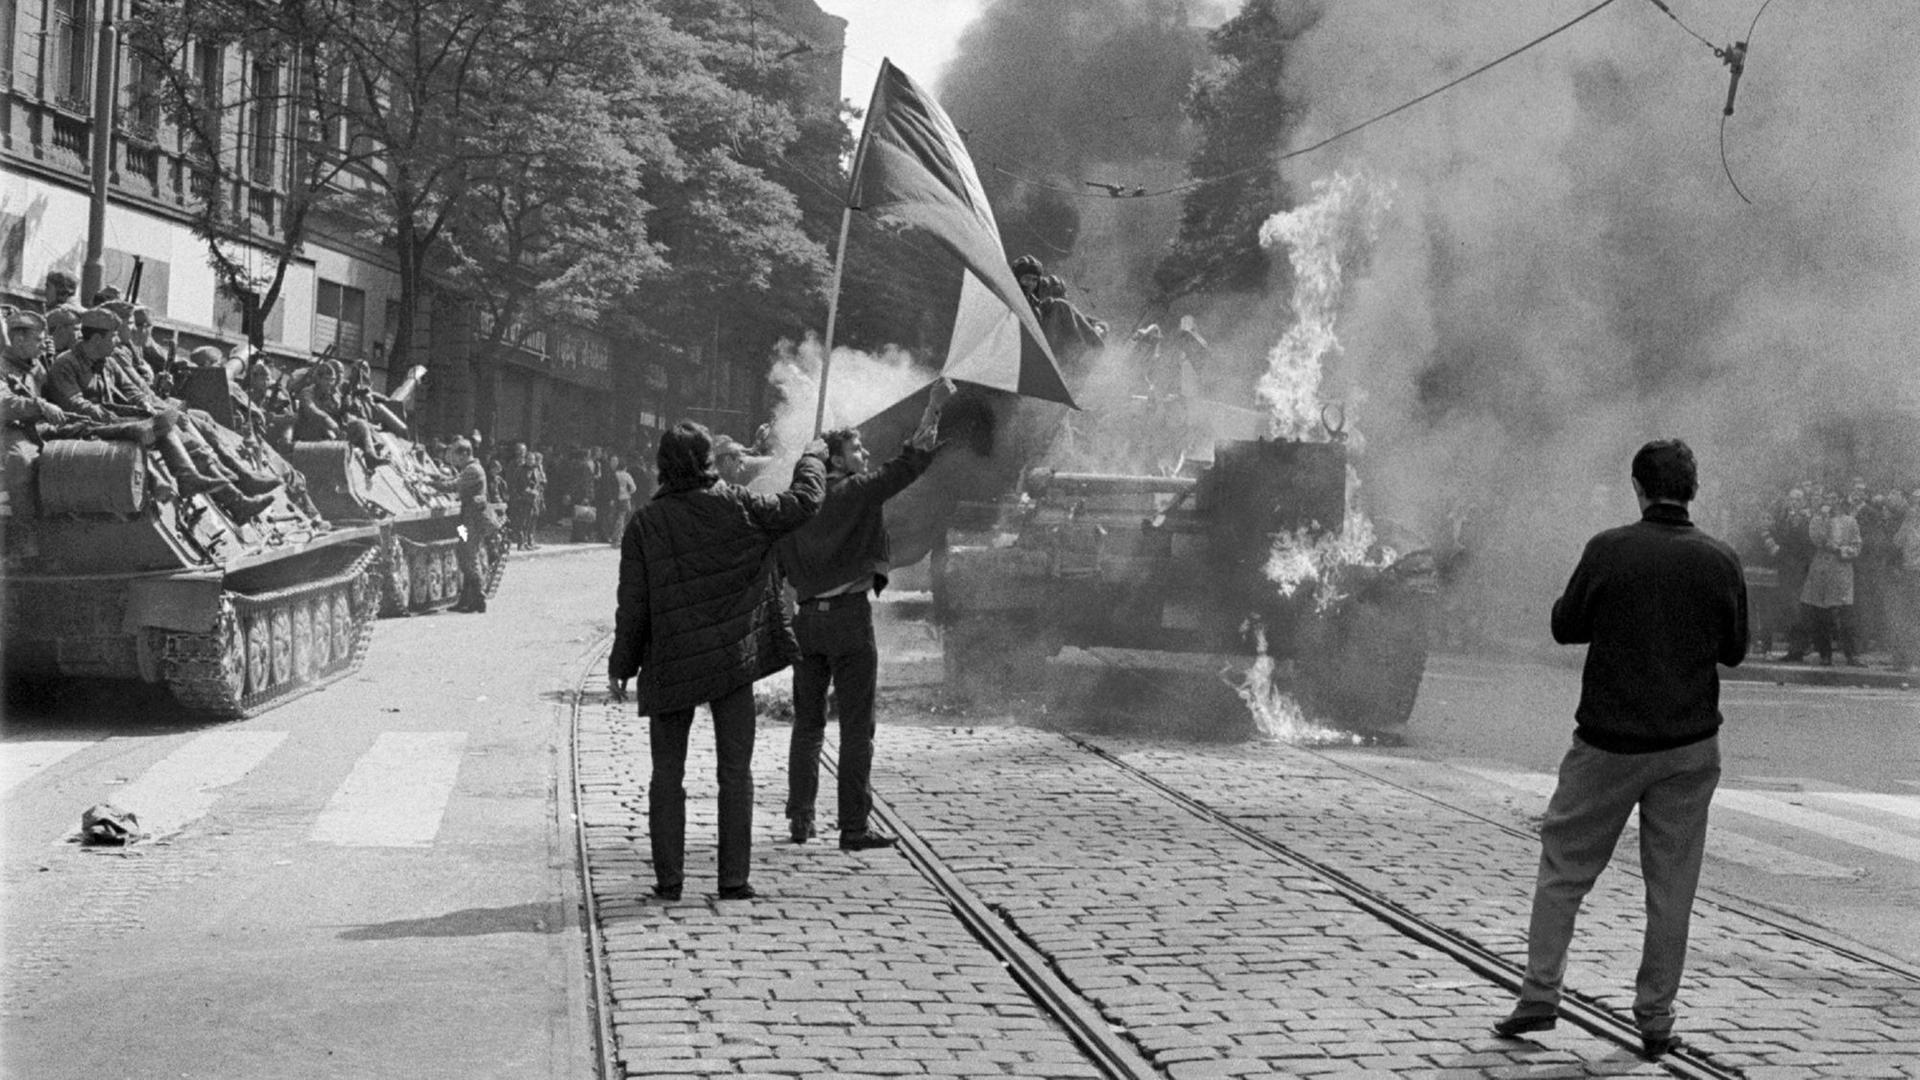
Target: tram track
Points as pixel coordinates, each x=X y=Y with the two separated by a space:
x=1106 y=1043
x=1097 y=1030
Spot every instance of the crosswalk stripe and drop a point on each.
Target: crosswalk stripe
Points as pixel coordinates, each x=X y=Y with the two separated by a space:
x=21 y=761
x=1722 y=843
x=180 y=788
x=397 y=792
x=1847 y=831
x=1906 y=806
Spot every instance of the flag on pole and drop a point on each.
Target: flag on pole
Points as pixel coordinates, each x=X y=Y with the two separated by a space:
x=912 y=167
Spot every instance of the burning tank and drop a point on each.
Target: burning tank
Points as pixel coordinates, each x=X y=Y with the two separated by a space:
x=1188 y=600
x=395 y=493
x=109 y=582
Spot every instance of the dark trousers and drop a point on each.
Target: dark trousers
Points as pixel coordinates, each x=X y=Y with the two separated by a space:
x=1828 y=626
x=733 y=723
x=1596 y=792
x=837 y=650
x=473 y=587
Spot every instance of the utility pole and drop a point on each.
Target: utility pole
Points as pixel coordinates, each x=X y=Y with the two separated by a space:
x=106 y=60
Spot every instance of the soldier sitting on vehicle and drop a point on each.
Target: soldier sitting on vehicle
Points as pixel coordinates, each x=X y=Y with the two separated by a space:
x=86 y=381
x=324 y=415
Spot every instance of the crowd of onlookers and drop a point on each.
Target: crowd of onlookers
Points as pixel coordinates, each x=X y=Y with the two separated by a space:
x=588 y=491
x=1835 y=569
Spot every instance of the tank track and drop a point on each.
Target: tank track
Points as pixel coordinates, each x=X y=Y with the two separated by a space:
x=418 y=576
x=494 y=552
x=272 y=647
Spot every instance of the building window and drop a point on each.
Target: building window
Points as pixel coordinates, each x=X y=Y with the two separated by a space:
x=340 y=320
x=209 y=80
x=264 y=121
x=69 y=77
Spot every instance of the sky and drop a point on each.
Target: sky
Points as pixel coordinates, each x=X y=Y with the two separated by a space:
x=920 y=37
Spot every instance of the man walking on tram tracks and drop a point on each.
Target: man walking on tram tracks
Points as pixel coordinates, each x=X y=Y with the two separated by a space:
x=700 y=618
x=834 y=563
x=1658 y=603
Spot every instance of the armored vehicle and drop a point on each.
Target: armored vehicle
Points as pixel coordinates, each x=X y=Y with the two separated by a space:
x=1164 y=602
x=107 y=581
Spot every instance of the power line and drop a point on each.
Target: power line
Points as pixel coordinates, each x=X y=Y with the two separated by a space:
x=1191 y=185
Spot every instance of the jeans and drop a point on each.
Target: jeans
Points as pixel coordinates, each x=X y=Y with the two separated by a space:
x=733 y=726
x=837 y=649
x=1596 y=792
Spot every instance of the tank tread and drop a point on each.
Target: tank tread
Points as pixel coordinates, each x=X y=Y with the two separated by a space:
x=272 y=647
x=494 y=550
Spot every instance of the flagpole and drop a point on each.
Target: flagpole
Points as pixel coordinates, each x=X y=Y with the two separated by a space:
x=833 y=312
x=840 y=259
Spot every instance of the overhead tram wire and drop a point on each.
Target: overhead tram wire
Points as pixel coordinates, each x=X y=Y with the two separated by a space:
x=1192 y=185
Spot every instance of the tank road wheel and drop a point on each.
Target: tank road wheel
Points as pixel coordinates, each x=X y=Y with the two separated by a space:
x=450 y=572
x=208 y=672
x=301 y=613
x=418 y=564
x=259 y=653
x=341 y=625
x=320 y=619
x=396 y=578
x=280 y=624
x=1360 y=666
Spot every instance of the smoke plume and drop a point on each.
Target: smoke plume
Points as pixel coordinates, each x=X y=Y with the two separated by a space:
x=1566 y=272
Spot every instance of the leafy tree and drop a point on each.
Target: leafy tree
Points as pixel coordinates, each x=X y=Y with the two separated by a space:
x=1245 y=115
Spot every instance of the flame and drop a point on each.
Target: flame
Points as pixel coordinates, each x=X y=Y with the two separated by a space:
x=1278 y=716
x=1324 y=239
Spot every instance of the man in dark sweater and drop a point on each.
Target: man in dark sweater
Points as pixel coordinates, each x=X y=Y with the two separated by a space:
x=1658 y=603
x=834 y=562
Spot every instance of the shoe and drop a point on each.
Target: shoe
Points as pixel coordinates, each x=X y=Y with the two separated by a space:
x=1515 y=1026
x=801 y=829
x=1826 y=661
x=1851 y=662
x=737 y=892
x=241 y=508
x=666 y=892
x=865 y=840
x=1793 y=658
x=1660 y=1045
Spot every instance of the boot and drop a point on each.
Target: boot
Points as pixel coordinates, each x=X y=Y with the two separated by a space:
x=190 y=479
x=241 y=508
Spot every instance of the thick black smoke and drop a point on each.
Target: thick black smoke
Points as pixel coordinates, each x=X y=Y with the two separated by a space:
x=1067 y=92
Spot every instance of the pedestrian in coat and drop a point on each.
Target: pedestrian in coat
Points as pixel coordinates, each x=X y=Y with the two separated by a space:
x=1792 y=552
x=700 y=618
x=835 y=562
x=1903 y=593
x=1827 y=597
x=1658 y=603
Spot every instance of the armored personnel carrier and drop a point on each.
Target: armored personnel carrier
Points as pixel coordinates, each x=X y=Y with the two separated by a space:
x=106 y=581
x=1155 y=602
x=418 y=523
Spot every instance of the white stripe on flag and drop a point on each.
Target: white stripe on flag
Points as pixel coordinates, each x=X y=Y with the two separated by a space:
x=21 y=761
x=396 y=793
x=180 y=788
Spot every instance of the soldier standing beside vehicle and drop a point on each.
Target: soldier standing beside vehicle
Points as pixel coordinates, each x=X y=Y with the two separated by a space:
x=1658 y=603
x=834 y=563
x=476 y=523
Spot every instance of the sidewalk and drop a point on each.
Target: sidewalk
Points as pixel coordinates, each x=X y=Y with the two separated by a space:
x=1214 y=957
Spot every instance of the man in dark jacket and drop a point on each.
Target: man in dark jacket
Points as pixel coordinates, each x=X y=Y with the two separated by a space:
x=834 y=563
x=701 y=618
x=1658 y=603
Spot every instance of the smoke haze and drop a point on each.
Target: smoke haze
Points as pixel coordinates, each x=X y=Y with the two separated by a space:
x=1567 y=272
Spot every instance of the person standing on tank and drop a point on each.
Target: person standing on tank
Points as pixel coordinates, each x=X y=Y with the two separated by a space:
x=1658 y=604
x=700 y=619
x=835 y=563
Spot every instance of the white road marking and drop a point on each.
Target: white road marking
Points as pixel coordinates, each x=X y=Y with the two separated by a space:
x=1906 y=806
x=180 y=788
x=1722 y=843
x=21 y=761
x=397 y=792
x=1774 y=807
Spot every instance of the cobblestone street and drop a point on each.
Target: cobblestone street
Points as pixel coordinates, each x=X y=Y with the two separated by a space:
x=1207 y=953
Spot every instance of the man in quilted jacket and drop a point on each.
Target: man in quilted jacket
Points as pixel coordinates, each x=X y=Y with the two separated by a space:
x=700 y=619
